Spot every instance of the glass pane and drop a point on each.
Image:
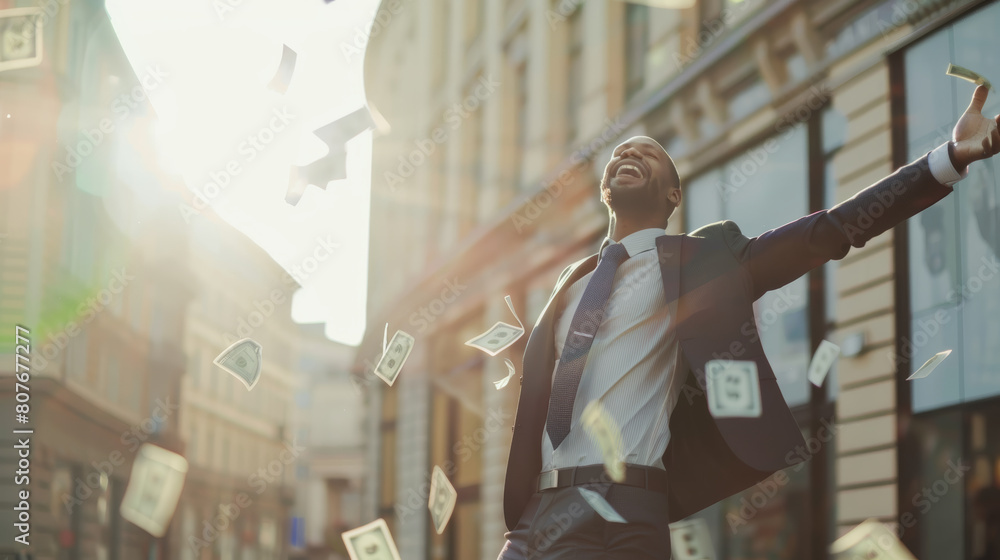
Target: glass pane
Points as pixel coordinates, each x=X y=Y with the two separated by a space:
x=934 y=255
x=797 y=68
x=928 y=95
x=767 y=189
x=936 y=504
x=975 y=44
x=748 y=100
x=980 y=218
x=783 y=324
x=932 y=332
x=703 y=204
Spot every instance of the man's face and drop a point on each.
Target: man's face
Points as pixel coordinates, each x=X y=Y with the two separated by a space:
x=639 y=175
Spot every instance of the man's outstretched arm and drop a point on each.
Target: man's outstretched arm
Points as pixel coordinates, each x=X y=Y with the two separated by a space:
x=782 y=255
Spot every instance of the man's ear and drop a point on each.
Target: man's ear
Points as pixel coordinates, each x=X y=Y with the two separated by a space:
x=674 y=196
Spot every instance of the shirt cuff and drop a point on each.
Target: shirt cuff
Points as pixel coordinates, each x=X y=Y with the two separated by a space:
x=942 y=169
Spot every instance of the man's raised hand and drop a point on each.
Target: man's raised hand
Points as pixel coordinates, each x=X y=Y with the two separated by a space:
x=976 y=137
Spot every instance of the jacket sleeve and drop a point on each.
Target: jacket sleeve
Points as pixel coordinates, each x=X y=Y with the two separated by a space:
x=782 y=255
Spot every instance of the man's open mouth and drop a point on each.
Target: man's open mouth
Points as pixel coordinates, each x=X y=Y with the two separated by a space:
x=629 y=170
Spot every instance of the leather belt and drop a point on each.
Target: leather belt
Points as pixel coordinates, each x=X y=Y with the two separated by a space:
x=650 y=478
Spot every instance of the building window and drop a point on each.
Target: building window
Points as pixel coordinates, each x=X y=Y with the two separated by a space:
x=833 y=136
x=636 y=46
x=759 y=197
x=953 y=245
x=574 y=77
x=949 y=492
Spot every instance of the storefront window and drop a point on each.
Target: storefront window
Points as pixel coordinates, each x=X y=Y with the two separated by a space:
x=761 y=189
x=950 y=479
x=954 y=245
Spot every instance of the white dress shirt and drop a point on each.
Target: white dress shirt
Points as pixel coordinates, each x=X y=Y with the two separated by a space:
x=633 y=362
x=630 y=366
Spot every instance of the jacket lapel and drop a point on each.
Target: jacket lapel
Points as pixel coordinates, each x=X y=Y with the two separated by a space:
x=540 y=348
x=668 y=249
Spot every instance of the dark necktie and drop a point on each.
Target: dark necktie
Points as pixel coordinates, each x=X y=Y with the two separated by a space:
x=582 y=329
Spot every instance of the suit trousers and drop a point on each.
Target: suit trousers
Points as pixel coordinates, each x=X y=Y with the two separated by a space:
x=559 y=524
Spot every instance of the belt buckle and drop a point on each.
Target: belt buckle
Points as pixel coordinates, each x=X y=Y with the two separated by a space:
x=547 y=480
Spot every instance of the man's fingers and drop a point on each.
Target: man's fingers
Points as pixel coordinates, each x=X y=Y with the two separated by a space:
x=978 y=99
x=994 y=138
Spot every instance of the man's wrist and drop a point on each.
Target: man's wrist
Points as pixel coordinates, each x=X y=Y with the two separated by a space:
x=958 y=165
x=943 y=165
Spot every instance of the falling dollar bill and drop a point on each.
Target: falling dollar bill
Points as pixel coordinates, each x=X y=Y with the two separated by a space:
x=370 y=542
x=154 y=488
x=600 y=426
x=510 y=373
x=500 y=335
x=385 y=338
x=733 y=390
x=929 y=365
x=394 y=357
x=968 y=75
x=870 y=540
x=601 y=506
x=822 y=361
x=441 y=500
x=690 y=540
x=285 y=68
x=243 y=359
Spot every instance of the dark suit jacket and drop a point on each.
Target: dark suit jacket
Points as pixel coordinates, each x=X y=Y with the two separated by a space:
x=711 y=278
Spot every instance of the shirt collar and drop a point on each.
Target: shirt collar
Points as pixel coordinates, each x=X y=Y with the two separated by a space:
x=638 y=242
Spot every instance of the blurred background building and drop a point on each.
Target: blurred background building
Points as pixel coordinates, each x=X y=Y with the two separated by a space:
x=128 y=299
x=503 y=116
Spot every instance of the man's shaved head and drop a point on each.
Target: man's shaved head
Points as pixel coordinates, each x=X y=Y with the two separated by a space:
x=640 y=179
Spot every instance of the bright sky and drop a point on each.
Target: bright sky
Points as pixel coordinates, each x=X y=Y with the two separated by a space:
x=217 y=57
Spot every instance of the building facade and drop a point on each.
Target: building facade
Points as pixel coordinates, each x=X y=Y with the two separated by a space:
x=239 y=442
x=92 y=263
x=504 y=113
